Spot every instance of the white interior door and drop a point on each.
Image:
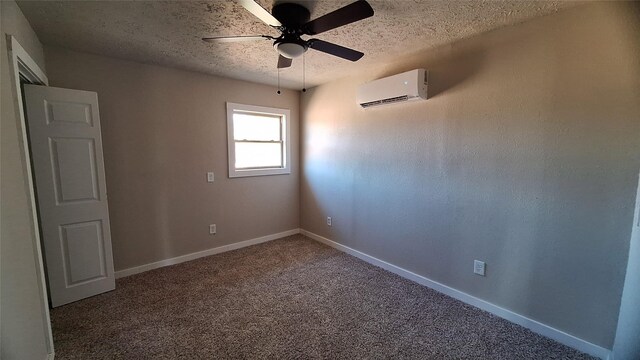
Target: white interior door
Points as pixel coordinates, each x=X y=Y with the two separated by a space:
x=66 y=151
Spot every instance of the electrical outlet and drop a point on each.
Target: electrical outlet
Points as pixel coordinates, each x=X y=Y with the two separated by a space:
x=210 y=176
x=328 y=220
x=478 y=267
x=212 y=229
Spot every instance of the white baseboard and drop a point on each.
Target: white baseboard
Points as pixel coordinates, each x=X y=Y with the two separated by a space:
x=530 y=324
x=199 y=254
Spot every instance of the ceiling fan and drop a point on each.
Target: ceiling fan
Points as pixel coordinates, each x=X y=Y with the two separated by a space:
x=292 y=21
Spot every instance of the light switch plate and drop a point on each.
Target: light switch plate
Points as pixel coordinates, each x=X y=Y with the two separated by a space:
x=210 y=176
x=479 y=267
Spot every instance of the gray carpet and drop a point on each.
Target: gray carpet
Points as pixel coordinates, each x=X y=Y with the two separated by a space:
x=291 y=298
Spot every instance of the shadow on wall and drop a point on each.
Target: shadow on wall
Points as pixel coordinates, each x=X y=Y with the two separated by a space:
x=450 y=73
x=453 y=65
x=445 y=73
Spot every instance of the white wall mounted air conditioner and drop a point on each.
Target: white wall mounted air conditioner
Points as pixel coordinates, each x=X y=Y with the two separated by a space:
x=408 y=86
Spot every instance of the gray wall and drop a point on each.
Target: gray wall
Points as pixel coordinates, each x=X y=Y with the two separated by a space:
x=627 y=342
x=526 y=156
x=162 y=130
x=22 y=329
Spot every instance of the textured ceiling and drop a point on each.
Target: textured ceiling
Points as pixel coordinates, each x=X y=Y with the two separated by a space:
x=168 y=32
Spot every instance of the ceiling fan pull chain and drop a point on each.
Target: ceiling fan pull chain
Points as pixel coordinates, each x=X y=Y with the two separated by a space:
x=304 y=71
x=278 y=81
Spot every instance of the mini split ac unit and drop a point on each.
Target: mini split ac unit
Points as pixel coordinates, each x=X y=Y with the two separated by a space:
x=408 y=86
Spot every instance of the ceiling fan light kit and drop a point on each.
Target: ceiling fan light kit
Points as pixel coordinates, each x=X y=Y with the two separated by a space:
x=292 y=21
x=291 y=49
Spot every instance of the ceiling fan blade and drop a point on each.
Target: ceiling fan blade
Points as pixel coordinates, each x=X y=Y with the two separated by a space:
x=283 y=62
x=237 y=38
x=353 y=12
x=336 y=50
x=262 y=14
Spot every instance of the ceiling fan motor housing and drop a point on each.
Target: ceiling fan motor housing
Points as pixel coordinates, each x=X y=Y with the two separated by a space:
x=291 y=15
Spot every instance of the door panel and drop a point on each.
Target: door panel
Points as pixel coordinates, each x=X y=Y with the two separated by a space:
x=68 y=112
x=83 y=251
x=75 y=173
x=66 y=148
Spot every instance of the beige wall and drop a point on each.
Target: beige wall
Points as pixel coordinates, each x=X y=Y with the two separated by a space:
x=22 y=327
x=526 y=156
x=163 y=129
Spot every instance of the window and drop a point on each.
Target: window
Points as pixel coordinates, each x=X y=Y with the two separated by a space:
x=258 y=139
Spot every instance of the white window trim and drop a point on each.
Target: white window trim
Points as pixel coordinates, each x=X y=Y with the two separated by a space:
x=233 y=172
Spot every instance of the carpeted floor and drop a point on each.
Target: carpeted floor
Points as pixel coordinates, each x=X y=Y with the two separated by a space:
x=291 y=298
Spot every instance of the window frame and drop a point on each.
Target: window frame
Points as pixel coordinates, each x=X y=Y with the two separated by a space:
x=285 y=131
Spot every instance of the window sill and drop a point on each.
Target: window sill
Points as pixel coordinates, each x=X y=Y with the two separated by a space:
x=258 y=172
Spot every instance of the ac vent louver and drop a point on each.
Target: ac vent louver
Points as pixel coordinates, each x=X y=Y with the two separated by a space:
x=385 y=101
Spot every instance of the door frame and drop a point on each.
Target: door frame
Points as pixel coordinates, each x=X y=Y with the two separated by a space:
x=23 y=64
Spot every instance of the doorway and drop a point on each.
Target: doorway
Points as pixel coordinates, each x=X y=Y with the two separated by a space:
x=25 y=70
